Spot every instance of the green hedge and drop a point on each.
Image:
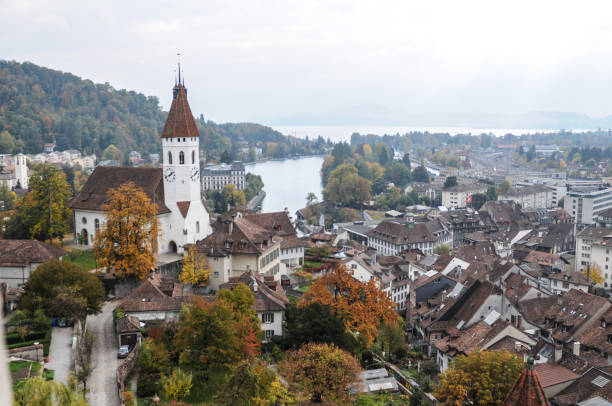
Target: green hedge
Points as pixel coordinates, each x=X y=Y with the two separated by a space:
x=13 y=338
x=46 y=341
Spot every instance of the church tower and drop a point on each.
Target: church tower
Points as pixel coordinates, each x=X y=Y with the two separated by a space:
x=21 y=171
x=180 y=138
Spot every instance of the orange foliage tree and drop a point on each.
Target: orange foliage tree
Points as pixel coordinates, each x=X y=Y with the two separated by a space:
x=215 y=335
x=127 y=243
x=322 y=371
x=363 y=307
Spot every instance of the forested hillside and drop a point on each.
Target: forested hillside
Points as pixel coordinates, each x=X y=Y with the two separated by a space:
x=40 y=105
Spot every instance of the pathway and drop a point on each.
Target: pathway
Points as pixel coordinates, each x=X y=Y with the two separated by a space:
x=60 y=353
x=102 y=384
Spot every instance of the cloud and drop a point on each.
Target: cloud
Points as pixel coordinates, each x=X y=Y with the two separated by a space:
x=265 y=60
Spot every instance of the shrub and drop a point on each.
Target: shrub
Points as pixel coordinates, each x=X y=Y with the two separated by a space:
x=148 y=385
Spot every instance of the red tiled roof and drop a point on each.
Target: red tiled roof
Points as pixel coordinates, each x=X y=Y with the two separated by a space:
x=24 y=252
x=93 y=196
x=147 y=297
x=180 y=121
x=183 y=207
x=527 y=391
x=553 y=374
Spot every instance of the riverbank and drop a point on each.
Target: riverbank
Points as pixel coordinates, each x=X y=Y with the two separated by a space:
x=287 y=182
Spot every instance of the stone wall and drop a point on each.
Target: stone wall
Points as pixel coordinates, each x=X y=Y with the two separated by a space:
x=32 y=352
x=123 y=370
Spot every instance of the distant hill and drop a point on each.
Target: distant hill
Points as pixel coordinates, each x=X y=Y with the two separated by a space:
x=39 y=105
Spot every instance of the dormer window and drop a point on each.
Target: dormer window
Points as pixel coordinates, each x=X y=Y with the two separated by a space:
x=603 y=324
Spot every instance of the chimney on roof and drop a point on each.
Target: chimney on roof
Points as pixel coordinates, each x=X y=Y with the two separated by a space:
x=576 y=348
x=558 y=352
x=230 y=227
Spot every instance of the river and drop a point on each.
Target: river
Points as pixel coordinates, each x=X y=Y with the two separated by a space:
x=288 y=181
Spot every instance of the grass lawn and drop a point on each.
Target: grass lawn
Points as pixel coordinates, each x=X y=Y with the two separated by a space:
x=82 y=258
x=312 y=264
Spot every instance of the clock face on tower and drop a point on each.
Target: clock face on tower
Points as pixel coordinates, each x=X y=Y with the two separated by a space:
x=170 y=176
x=194 y=174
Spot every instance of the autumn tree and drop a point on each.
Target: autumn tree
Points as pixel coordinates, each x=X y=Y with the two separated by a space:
x=195 y=268
x=112 y=153
x=43 y=210
x=346 y=187
x=177 y=386
x=40 y=392
x=63 y=289
x=253 y=383
x=7 y=198
x=593 y=272
x=442 y=249
x=324 y=372
x=481 y=378
x=214 y=336
x=127 y=242
x=363 y=307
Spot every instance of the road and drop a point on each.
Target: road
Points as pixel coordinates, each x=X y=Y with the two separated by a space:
x=60 y=353
x=102 y=384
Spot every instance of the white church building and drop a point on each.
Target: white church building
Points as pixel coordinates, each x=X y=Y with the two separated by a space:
x=175 y=188
x=19 y=176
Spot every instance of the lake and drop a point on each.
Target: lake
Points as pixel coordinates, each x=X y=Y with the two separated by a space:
x=288 y=181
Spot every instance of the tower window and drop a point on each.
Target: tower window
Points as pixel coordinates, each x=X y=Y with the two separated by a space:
x=178 y=139
x=193 y=157
x=169 y=157
x=197 y=226
x=181 y=158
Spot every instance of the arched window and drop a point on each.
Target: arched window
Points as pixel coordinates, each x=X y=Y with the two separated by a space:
x=181 y=158
x=169 y=158
x=84 y=220
x=197 y=226
x=193 y=157
x=97 y=224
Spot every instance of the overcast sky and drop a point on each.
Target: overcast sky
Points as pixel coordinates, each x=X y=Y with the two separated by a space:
x=250 y=60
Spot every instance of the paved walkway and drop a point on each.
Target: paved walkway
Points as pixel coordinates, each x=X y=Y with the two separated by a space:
x=102 y=384
x=60 y=353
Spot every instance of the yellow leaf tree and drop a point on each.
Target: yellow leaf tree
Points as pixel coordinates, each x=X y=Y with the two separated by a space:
x=481 y=378
x=195 y=268
x=127 y=243
x=363 y=307
x=43 y=209
x=594 y=273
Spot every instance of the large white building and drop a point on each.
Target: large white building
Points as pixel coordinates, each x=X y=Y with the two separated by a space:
x=175 y=188
x=458 y=196
x=215 y=177
x=392 y=237
x=584 y=206
x=531 y=197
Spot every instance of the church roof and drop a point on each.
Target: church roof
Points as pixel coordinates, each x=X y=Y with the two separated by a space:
x=180 y=121
x=94 y=196
x=527 y=391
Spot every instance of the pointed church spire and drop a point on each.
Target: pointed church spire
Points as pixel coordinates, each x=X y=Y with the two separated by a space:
x=527 y=391
x=180 y=121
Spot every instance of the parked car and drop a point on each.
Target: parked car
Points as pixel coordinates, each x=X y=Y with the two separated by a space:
x=123 y=352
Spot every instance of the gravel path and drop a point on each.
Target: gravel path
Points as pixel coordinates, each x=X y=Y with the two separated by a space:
x=102 y=384
x=60 y=353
